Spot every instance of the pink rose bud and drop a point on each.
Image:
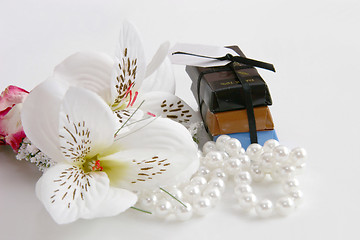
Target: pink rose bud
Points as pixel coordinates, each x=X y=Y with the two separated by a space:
x=11 y=130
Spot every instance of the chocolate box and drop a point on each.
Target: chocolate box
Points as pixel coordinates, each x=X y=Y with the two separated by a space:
x=221 y=90
x=236 y=121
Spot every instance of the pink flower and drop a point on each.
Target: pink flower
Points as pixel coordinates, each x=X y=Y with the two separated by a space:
x=11 y=130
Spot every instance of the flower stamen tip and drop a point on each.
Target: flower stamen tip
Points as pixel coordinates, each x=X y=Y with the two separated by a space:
x=97 y=166
x=151 y=114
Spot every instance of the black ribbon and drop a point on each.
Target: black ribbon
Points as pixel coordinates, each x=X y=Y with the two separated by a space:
x=234 y=60
x=249 y=105
x=239 y=59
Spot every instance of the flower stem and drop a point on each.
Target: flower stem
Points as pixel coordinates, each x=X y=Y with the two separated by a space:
x=140 y=210
x=129 y=118
x=138 y=121
x=173 y=196
x=153 y=119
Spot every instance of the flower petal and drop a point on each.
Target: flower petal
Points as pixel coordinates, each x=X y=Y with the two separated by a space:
x=11 y=128
x=157 y=59
x=129 y=115
x=161 y=80
x=40 y=117
x=10 y=121
x=129 y=68
x=169 y=106
x=90 y=70
x=116 y=201
x=87 y=125
x=68 y=193
x=159 y=152
x=159 y=74
x=12 y=95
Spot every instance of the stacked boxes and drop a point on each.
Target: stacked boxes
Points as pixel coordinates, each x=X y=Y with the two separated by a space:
x=224 y=104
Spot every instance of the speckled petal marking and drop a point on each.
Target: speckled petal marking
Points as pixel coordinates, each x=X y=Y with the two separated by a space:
x=148 y=168
x=176 y=111
x=73 y=183
x=125 y=79
x=75 y=141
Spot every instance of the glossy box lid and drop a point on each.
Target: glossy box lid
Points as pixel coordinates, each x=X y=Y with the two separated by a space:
x=221 y=90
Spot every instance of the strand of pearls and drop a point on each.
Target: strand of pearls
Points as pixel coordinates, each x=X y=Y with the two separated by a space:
x=223 y=161
x=282 y=165
x=198 y=196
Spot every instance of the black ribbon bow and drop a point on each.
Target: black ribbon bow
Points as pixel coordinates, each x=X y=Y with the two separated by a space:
x=245 y=84
x=239 y=59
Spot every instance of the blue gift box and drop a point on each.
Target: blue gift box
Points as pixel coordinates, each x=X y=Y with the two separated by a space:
x=244 y=137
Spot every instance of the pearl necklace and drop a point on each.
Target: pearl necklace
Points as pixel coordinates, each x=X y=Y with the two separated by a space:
x=223 y=161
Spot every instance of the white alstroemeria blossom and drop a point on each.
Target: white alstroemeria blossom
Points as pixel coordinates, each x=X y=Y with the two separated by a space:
x=95 y=174
x=125 y=81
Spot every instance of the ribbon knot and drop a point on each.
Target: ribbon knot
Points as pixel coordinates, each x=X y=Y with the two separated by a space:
x=229 y=57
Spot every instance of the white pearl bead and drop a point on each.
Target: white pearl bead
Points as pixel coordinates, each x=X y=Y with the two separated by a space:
x=290 y=185
x=174 y=191
x=244 y=162
x=232 y=165
x=300 y=169
x=243 y=177
x=213 y=160
x=242 y=151
x=232 y=147
x=220 y=142
x=203 y=160
x=253 y=151
x=217 y=183
x=266 y=161
x=184 y=213
x=213 y=193
x=286 y=171
x=281 y=153
x=160 y=195
x=163 y=208
x=240 y=189
x=285 y=206
x=148 y=201
x=219 y=173
x=275 y=174
x=282 y=172
x=298 y=156
x=247 y=201
x=198 y=180
x=209 y=147
x=225 y=155
x=270 y=144
x=257 y=175
x=203 y=171
x=264 y=208
x=191 y=192
x=296 y=195
x=202 y=206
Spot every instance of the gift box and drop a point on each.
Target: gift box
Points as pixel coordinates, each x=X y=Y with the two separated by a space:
x=236 y=121
x=244 y=137
x=221 y=89
x=233 y=87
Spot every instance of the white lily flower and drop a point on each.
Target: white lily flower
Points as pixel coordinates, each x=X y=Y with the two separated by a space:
x=94 y=174
x=124 y=82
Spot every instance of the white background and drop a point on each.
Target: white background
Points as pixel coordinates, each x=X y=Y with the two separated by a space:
x=314 y=46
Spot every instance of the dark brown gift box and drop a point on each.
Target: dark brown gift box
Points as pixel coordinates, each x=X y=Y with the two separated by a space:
x=236 y=121
x=221 y=90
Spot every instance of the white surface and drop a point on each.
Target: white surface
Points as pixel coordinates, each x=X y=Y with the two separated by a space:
x=314 y=46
